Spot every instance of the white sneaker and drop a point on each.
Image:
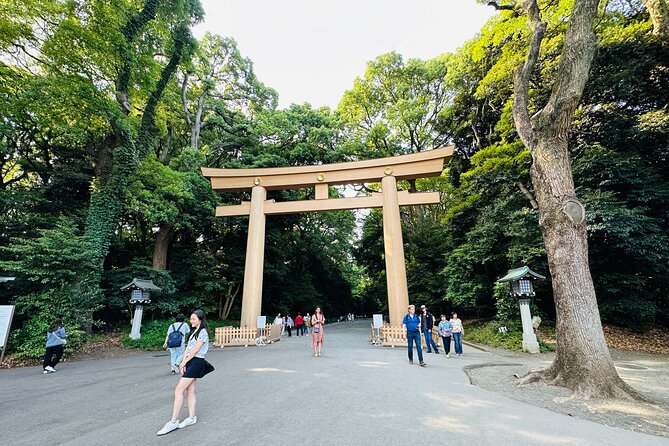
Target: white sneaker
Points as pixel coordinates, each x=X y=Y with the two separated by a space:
x=49 y=369
x=187 y=422
x=45 y=371
x=169 y=427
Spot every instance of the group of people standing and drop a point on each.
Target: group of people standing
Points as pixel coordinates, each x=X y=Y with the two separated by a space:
x=414 y=324
x=302 y=324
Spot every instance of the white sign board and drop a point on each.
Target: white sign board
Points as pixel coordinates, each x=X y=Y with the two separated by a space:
x=6 y=314
x=261 y=322
x=378 y=320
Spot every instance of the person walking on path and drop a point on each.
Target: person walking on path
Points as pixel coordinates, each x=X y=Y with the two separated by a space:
x=289 y=325
x=299 y=323
x=458 y=333
x=192 y=367
x=411 y=332
x=176 y=351
x=317 y=322
x=445 y=331
x=55 y=341
x=307 y=323
x=427 y=323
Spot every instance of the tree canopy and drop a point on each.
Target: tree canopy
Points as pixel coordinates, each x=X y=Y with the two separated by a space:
x=111 y=108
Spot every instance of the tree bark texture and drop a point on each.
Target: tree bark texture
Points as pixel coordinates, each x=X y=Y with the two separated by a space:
x=659 y=15
x=161 y=246
x=583 y=362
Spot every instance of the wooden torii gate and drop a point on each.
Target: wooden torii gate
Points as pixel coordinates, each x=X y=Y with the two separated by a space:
x=320 y=177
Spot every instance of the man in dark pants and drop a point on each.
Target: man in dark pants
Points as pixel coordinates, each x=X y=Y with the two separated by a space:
x=411 y=327
x=426 y=323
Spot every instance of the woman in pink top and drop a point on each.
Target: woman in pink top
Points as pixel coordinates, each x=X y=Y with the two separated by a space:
x=317 y=321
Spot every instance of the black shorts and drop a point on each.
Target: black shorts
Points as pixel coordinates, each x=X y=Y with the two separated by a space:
x=197 y=368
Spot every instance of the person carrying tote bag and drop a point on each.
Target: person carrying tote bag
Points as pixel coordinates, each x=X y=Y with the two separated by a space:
x=193 y=366
x=317 y=322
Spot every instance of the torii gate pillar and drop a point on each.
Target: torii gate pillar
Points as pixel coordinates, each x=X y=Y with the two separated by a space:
x=255 y=259
x=396 y=276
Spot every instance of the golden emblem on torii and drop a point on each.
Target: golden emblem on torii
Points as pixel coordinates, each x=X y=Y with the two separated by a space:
x=320 y=177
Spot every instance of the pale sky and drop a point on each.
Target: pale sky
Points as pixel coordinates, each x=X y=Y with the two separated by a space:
x=312 y=50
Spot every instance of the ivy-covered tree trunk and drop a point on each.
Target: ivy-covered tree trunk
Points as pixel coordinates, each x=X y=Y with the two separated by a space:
x=583 y=362
x=132 y=146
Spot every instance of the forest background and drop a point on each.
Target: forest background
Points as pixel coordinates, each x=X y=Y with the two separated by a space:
x=110 y=108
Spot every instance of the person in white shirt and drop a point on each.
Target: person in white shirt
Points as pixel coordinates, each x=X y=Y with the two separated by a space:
x=458 y=332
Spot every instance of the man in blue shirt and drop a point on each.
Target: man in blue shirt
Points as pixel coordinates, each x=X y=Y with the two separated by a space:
x=411 y=327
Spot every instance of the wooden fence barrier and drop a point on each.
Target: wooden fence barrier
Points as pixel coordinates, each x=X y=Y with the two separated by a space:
x=272 y=332
x=392 y=337
x=245 y=336
x=235 y=336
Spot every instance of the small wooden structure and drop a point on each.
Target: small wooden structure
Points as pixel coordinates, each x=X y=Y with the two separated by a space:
x=387 y=171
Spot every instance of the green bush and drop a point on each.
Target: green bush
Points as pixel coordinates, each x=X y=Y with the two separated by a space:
x=29 y=341
x=153 y=333
x=487 y=333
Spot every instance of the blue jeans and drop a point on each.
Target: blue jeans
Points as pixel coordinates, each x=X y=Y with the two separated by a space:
x=429 y=341
x=414 y=336
x=176 y=355
x=457 y=343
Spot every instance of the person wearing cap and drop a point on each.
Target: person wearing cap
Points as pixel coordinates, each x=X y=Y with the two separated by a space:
x=427 y=322
x=411 y=332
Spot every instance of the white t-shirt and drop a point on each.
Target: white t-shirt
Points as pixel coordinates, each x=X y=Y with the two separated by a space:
x=203 y=336
x=457 y=325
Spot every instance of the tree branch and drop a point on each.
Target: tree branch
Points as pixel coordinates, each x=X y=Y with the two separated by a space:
x=184 y=100
x=521 y=81
x=575 y=61
x=528 y=194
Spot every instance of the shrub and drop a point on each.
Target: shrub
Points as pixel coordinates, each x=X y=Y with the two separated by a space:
x=154 y=332
x=487 y=333
x=29 y=341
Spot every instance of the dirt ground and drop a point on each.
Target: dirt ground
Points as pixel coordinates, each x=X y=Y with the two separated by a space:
x=647 y=373
x=108 y=347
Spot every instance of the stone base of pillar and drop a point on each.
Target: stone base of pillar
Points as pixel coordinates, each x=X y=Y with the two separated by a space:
x=137 y=323
x=530 y=343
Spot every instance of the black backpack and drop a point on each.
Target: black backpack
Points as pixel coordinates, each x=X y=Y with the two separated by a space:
x=175 y=338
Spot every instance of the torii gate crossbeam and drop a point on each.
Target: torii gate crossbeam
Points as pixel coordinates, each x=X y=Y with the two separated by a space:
x=320 y=177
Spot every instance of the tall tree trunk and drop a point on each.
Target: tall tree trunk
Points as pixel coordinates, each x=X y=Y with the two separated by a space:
x=659 y=15
x=583 y=362
x=161 y=246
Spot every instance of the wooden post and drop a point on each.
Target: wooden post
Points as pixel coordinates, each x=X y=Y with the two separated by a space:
x=255 y=257
x=398 y=294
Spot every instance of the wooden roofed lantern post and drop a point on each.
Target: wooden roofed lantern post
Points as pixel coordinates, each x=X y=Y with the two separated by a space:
x=320 y=177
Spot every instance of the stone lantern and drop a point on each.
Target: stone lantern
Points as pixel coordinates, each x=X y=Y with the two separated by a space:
x=140 y=295
x=522 y=288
